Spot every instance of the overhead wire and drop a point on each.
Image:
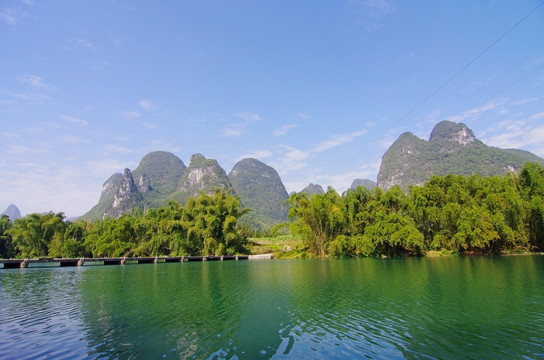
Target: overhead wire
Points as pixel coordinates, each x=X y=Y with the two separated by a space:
x=460 y=71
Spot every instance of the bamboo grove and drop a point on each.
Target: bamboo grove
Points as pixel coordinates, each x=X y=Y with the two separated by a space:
x=454 y=214
x=450 y=214
x=205 y=225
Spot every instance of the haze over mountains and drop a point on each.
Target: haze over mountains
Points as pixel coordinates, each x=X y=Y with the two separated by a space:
x=161 y=176
x=12 y=212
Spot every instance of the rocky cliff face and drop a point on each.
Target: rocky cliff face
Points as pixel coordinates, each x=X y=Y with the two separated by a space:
x=202 y=175
x=260 y=188
x=452 y=149
x=126 y=197
x=150 y=185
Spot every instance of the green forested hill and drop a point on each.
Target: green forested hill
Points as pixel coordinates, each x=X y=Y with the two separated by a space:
x=202 y=175
x=260 y=189
x=452 y=149
x=313 y=189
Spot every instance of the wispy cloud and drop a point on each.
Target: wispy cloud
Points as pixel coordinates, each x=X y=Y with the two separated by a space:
x=336 y=140
x=368 y=14
x=304 y=116
x=149 y=126
x=105 y=167
x=74 y=120
x=230 y=132
x=292 y=159
x=146 y=105
x=83 y=43
x=473 y=113
x=101 y=66
x=249 y=116
x=70 y=139
x=524 y=101
x=130 y=114
x=236 y=129
x=115 y=148
x=36 y=82
x=257 y=154
x=22 y=149
x=12 y=16
x=283 y=130
x=527 y=134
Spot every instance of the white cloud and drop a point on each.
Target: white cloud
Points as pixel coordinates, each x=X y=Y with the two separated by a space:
x=291 y=159
x=130 y=114
x=149 y=126
x=230 y=132
x=237 y=129
x=146 y=105
x=524 y=101
x=36 y=82
x=101 y=66
x=304 y=116
x=336 y=140
x=74 y=120
x=527 y=134
x=283 y=130
x=32 y=97
x=118 y=149
x=368 y=14
x=257 y=154
x=22 y=149
x=70 y=139
x=12 y=16
x=83 y=43
x=249 y=116
x=104 y=168
x=473 y=114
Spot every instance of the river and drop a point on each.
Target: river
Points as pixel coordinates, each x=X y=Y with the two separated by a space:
x=413 y=308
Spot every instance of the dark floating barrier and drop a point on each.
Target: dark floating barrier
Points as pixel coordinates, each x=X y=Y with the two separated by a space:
x=23 y=263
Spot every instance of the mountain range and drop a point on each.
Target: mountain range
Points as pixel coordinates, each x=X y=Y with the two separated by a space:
x=452 y=148
x=161 y=176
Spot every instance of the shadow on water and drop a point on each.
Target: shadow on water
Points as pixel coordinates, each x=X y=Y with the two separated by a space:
x=416 y=308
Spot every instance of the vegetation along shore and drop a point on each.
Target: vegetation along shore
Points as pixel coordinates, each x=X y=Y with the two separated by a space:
x=453 y=214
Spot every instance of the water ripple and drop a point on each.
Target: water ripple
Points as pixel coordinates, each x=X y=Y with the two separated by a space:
x=376 y=309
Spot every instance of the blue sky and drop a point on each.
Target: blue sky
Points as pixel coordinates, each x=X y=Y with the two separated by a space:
x=318 y=90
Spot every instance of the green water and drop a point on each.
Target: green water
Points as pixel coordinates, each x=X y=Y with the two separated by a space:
x=428 y=308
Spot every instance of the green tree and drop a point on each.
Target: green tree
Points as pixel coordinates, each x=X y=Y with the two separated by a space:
x=318 y=219
x=32 y=235
x=6 y=246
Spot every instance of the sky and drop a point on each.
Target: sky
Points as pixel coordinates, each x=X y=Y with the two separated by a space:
x=316 y=89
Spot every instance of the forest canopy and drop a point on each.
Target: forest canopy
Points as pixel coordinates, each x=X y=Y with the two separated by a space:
x=452 y=214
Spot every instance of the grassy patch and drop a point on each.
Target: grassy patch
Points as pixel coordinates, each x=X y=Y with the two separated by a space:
x=282 y=246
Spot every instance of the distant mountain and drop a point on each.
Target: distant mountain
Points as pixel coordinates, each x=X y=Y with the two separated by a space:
x=202 y=175
x=157 y=177
x=452 y=149
x=369 y=184
x=150 y=185
x=12 y=212
x=313 y=189
x=260 y=188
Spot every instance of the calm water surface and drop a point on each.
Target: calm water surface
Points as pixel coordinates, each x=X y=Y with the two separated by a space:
x=430 y=308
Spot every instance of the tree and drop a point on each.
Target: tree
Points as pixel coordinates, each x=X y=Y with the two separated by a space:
x=32 y=235
x=6 y=246
x=318 y=219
